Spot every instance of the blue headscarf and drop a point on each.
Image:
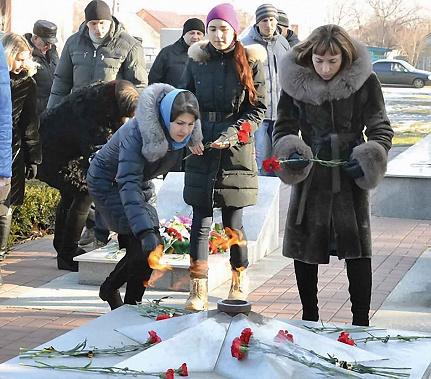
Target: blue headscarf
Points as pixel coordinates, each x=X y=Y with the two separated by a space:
x=166 y=110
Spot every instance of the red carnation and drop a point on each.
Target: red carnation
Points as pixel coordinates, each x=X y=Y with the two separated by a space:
x=175 y=233
x=271 y=165
x=183 y=370
x=238 y=348
x=243 y=136
x=162 y=317
x=154 y=338
x=344 y=338
x=246 y=335
x=170 y=374
x=246 y=126
x=283 y=335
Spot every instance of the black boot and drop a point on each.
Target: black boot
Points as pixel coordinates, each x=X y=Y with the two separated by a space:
x=306 y=280
x=109 y=289
x=5 y=226
x=360 y=282
x=111 y=295
x=65 y=258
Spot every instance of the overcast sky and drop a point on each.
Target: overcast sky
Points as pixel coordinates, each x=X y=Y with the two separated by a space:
x=308 y=14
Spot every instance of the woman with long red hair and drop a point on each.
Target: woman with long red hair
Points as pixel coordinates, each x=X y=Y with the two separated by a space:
x=229 y=83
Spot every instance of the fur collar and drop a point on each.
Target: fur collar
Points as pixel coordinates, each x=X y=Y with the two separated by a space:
x=155 y=143
x=199 y=53
x=304 y=84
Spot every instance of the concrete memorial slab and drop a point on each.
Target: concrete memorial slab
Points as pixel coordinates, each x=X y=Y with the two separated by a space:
x=260 y=225
x=404 y=192
x=204 y=341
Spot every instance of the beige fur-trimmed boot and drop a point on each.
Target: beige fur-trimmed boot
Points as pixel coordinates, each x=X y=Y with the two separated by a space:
x=198 y=298
x=240 y=286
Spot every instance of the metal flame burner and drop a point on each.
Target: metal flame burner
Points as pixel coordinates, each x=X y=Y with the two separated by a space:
x=232 y=307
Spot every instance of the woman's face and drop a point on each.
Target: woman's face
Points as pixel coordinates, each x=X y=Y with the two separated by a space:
x=220 y=34
x=19 y=61
x=327 y=66
x=181 y=127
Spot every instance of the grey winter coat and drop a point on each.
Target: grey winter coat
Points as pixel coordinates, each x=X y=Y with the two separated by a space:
x=328 y=211
x=119 y=177
x=276 y=48
x=227 y=177
x=169 y=64
x=120 y=57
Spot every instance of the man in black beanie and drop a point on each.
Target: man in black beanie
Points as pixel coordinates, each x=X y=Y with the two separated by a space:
x=171 y=61
x=283 y=27
x=100 y=50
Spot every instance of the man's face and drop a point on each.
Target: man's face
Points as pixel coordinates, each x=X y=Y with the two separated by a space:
x=284 y=30
x=41 y=45
x=99 y=28
x=267 y=26
x=193 y=36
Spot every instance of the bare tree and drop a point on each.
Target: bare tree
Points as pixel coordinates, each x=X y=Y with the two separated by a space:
x=345 y=14
x=411 y=39
x=389 y=17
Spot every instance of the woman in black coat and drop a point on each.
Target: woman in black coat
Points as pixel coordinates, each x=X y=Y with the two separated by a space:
x=70 y=133
x=119 y=180
x=229 y=83
x=331 y=96
x=26 y=151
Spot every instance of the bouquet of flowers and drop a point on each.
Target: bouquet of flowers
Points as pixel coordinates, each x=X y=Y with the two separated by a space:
x=176 y=236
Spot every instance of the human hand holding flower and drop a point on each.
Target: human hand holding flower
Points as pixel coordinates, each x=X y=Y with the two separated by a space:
x=220 y=144
x=197 y=150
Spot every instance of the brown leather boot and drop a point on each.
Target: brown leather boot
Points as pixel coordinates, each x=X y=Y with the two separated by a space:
x=198 y=298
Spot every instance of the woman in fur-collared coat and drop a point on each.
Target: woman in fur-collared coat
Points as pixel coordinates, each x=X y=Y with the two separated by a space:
x=119 y=180
x=229 y=82
x=332 y=97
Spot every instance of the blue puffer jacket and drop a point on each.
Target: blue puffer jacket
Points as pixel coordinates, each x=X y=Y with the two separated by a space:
x=119 y=177
x=5 y=118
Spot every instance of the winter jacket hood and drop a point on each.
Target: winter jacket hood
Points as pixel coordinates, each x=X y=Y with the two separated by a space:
x=154 y=134
x=304 y=84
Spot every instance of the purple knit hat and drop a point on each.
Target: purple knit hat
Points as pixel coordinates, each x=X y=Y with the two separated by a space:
x=224 y=12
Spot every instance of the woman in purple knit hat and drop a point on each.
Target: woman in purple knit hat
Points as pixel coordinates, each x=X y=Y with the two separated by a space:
x=229 y=83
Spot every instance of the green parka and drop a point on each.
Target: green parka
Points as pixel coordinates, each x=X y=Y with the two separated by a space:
x=228 y=177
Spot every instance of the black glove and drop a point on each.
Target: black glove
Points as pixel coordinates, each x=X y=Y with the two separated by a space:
x=31 y=171
x=299 y=165
x=149 y=241
x=353 y=169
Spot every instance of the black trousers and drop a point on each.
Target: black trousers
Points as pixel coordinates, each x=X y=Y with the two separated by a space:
x=360 y=282
x=201 y=227
x=132 y=269
x=72 y=211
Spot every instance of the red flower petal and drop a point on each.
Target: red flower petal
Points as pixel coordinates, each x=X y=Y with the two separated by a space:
x=154 y=338
x=162 y=317
x=344 y=338
x=271 y=165
x=243 y=136
x=246 y=335
x=170 y=374
x=236 y=350
x=184 y=371
x=246 y=126
x=282 y=336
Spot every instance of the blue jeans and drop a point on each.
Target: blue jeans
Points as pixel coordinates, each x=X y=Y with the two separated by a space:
x=263 y=145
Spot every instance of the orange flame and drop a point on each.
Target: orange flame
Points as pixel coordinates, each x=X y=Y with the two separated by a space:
x=154 y=263
x=234 y=238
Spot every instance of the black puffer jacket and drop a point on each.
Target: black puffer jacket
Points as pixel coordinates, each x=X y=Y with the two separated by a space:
x=169 y=64
x=225 y=177
x=119 y=177
x=328 y=210
x=71 y=132
x=120 y=57
x=26 y=149
x=44 y=76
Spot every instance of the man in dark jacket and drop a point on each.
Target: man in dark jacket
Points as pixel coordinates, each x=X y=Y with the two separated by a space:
x=43 y=41
x=283 y=26
x=171 y=61
x=100 y=50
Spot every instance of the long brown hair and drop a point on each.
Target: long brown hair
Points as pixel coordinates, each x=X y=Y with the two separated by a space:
x=332 y=38
x=244 y=71
x=185 y=102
